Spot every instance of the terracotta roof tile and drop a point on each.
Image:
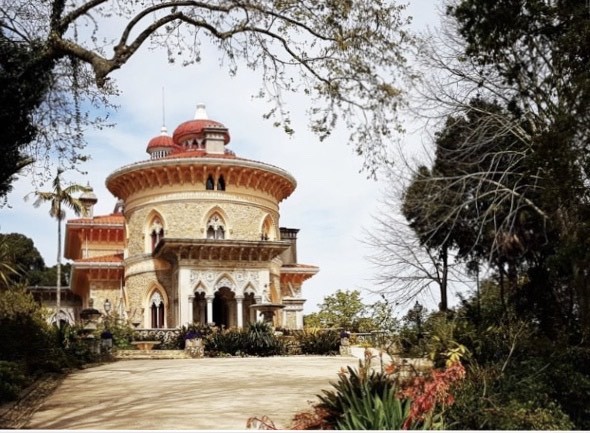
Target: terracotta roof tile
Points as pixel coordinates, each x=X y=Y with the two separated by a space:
x=196 y=127
x=101 y=219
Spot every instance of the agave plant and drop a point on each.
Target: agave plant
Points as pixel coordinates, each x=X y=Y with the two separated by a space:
x=374 y=411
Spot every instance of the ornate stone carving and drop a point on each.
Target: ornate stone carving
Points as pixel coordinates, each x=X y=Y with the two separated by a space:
x=194 y=277
x=224 y=282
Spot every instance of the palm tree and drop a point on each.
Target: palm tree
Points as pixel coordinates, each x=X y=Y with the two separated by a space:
x=7 y=268
x=59 y=198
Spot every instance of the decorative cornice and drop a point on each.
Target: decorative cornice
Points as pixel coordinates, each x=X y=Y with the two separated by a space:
x=176 y=249
x=153 y=174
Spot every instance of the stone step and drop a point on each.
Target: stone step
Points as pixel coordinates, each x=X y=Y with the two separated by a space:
x=150 y=354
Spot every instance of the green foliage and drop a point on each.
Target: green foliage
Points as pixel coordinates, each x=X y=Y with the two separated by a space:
x=227 y=342
x=517 y=378
x=257 y=340
x=122 y=331
x=24 y=335
x=19 y=252
x=372 y=411
x=12 y=380
x=28 y=341
x=342 y=310
x=29 y=347
x=193 y=330
x=24 y=81
x=354 y=387
x=318 y=342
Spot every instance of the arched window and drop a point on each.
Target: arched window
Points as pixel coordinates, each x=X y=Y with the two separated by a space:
x=215 y=228
x=266 y=233
x=157 y=310
x=210 y=185
x=156 y=233
x=221 y=183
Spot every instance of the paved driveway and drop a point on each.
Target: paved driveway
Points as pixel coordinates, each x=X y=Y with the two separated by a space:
x=208 y=393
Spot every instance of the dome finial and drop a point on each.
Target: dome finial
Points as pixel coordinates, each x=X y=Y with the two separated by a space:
x=201 y=112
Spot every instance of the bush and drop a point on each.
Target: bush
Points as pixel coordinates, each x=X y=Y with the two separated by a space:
x=355 y=386
x=257 y=340
x=319 y=342
x=485 y=401
x=25 y=336
x=227 y=342
x=262 y=341
x=373 y=411
x=194 y=330
x=12 y=380
x=122 y=331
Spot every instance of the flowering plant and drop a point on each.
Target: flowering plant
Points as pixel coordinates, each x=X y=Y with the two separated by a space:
x=428 y=392
x=191 y=335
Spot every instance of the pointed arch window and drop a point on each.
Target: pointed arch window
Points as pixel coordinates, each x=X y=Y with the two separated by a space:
x=156 y=233
x=221 y=183
x=215 y=228
x=210 y=185
x=157 y=310
x=266 y=233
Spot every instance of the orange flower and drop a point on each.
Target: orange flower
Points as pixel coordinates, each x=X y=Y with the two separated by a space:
x=427 y=392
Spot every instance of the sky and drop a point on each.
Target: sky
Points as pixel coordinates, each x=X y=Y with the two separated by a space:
x=333 y=202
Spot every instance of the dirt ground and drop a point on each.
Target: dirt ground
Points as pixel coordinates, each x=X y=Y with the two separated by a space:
x=195 y=394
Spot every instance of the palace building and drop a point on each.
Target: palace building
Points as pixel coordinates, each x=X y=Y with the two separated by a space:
x=194 y=237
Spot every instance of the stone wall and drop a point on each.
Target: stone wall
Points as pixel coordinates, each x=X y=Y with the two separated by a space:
x=188 y=219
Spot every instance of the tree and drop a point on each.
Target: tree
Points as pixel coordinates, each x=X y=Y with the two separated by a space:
x=338 y=53
x=510 y=174
x=538 y=55
x=22 y=88
x=343 y=309
x=59 y=198
x=21 y=255
x=405 y=268
x=7 y=269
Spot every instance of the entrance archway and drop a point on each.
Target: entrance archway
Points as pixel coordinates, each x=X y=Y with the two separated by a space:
x=224 y=308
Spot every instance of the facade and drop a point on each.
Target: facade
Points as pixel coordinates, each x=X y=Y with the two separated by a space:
x=194 y=237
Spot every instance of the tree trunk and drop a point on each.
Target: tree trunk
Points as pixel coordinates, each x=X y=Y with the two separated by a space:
x=58 y=285
x=444 y=255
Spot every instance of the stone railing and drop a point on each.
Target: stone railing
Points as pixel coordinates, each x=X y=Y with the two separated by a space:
x=167 y=336
x=375 y=339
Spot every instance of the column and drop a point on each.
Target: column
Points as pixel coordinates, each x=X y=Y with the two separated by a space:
x=240 y=307
x=209 y=299
x=184 y=291
x=191 y=304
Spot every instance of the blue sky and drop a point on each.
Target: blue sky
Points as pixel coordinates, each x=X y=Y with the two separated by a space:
x=331 y=206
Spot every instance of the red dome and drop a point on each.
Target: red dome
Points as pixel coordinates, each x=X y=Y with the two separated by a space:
x=195 y=128
x=159 y=142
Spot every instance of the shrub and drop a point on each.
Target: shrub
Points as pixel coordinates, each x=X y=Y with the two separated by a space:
x=374 y=411
x=121 y=330
x=319 y=342
x=25 y=336
x=261 y=341
x=352 y=384
x=257 y=340
x=12 y=380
